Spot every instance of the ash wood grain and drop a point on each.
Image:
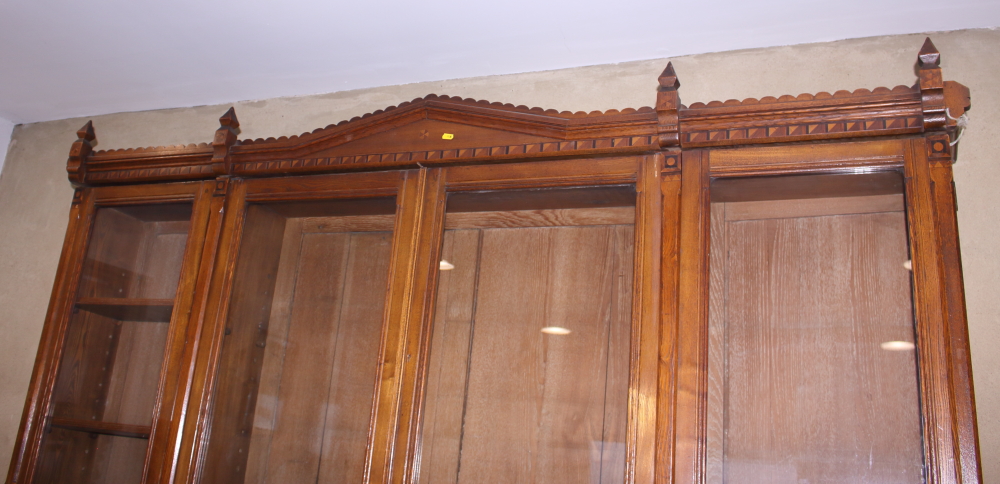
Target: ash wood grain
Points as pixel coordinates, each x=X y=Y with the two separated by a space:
x=540 y=218
x=800 y=306
x=951 y=447
x=813 y=207
x=245 y=334
x=536 y=406
x=448 y=366
x=716 y=417
x=319 y=415
x=690 y=387
x=666 y=410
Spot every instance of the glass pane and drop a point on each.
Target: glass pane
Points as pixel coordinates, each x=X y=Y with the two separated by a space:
x=529 y=363
x=297 y=377
x=105 y=393
x=812 y=370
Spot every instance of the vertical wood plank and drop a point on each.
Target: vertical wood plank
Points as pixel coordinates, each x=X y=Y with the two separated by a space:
x=646 y=323
x=245 y=333
x=692 y=321
x=931 y=302
x=413 y=274
x=670 y=188
x=446 y=378
x=536 y=403
x=960 y=363
x=718 y=255
x=809 y=393
x=214 y=211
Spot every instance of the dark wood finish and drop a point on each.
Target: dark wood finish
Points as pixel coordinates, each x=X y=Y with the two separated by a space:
x=154 y=310
x=104 y=428
x=664 y=158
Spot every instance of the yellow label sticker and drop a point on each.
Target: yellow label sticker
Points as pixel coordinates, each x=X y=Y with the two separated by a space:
x=447 y=136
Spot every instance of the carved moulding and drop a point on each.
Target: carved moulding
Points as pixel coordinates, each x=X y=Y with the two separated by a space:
x=439 y=130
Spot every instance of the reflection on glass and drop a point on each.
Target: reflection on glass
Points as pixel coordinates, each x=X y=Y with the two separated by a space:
x=300 y=350
x=105 y=393
x=808 y=292
x=529 y=363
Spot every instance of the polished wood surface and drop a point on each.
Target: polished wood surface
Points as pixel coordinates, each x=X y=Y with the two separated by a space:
x=105 y=428
x=302 y=379
x=521 y=405
x=394 y=171
x=798 y=382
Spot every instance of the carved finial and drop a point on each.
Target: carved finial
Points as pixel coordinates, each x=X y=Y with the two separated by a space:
x=76 y=165
x=668 y=79
x=668 y=101
x=929 y=57
x=225 y=137
x=229 y=119
x=86 y=133
x=931 y=86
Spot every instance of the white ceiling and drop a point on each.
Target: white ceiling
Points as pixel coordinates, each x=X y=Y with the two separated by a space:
x=62 y=59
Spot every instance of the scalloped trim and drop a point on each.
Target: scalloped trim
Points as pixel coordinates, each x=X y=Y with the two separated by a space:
x=454 y=99
x=191 y=146
x=804 y=97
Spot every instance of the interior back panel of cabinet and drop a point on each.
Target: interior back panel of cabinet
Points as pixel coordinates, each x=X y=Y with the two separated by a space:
x=110 y=367
x=507 y=403
x=318 y=376
x=802 y=294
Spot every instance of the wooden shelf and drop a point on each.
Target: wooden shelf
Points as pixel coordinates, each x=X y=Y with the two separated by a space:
x=153 y=310
x=106 y=428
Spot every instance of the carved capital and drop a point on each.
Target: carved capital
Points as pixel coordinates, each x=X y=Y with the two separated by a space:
x=668 y=101
x=76 y=166
x=225 y=137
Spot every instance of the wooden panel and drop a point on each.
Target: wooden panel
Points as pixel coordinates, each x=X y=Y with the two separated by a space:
x=800 y=309
x=715 y=434
x=242 y=353
x=152 y=310
x=450 y=345
x=318 y=419
x=540 y=218
x=537 y=407
x=111 y=371
x=774 y=160
x=813 y=207
x=796 y=187
x=104 y=428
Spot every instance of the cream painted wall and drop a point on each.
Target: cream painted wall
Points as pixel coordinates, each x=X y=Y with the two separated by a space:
x=35 y=196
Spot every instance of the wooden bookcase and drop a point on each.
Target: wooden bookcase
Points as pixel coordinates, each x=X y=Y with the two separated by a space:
x=452 y=290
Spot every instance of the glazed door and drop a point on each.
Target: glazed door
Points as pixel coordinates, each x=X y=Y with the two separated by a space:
x=816 y=314
x=116 y=350
x=536 y=354
x=299 y=339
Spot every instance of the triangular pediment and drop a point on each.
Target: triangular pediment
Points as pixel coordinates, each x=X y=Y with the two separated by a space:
x=445 y=124
x=430 y=135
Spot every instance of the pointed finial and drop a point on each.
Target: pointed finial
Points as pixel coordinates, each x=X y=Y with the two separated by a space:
x=86 y=133
x=929 y=56
x=668 y=79
x=81 y=149
x=225 y=137
x=229 y=119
